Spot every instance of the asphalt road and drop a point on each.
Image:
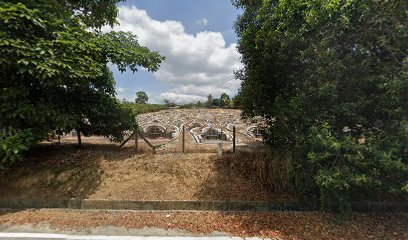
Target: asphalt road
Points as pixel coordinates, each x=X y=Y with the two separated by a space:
x=54 y=236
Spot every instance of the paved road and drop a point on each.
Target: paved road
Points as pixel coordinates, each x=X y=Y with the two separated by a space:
x=43 y=231
x=54 y=236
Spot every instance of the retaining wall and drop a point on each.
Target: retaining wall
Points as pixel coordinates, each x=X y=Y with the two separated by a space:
x=88 y=204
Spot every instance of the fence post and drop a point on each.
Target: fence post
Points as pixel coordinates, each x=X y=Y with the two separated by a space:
x=219 y=150
x=233 y=139
x=137 y=140
x=184 y=131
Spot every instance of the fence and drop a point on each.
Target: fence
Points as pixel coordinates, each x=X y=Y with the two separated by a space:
x=186 y=142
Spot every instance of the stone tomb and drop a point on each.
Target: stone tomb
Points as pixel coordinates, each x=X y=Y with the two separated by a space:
x=256 y=132
x=155 y=132
x=213 y=134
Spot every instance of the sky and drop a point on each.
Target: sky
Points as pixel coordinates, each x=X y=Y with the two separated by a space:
x=198 y=41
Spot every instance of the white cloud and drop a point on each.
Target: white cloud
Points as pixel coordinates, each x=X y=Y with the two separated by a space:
x=197 y=65
x=121 y=90
x=122 y=93
x=202 y=21
x=178 y=98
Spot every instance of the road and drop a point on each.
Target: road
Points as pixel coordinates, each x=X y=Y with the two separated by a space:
x=43 y=231
x=55 y=236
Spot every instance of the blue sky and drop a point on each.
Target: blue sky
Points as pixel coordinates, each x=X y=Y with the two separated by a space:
x=198 y=40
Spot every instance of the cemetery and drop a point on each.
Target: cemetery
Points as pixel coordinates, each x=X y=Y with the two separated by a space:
x=202 y=126
x=291 y=125
x=103 y=170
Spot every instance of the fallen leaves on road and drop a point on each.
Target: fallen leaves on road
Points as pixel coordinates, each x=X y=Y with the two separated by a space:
x=281 y=225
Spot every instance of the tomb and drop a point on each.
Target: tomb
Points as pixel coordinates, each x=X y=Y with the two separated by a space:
x=214 y=134
x=155 y=132
x=208 y=126
x=195 y=125
x=211 y=134
x=257 y=132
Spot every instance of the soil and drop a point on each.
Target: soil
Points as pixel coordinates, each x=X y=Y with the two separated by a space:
x=280 y=225
x=102 y=170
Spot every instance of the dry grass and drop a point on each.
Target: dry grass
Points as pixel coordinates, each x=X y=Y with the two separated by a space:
x=102 y=170
x=272 y=172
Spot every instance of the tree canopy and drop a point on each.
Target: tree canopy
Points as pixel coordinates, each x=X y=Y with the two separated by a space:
x=224 y=101
x=141 y=97
x=331 y=77
x=54 y=74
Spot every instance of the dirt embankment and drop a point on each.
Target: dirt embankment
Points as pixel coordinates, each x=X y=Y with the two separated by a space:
x=103 y=171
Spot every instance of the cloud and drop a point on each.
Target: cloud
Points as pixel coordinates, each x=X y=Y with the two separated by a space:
x=121 y=90
x=196 y=65
x=202 y=21
x=178 y=98
x=122 y=93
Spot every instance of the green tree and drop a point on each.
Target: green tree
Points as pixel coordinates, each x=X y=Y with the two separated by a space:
x=216 y=102
x=210 y=100
x=199 y=104
x=54 y=74
x=141 y=97
x=225 y=100
x=166 y=102
x=330 y=77
x=236 y=101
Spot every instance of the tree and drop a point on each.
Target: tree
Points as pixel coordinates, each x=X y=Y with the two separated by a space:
x=330 y=77
x=166 y=101
x=216 y=102
x=236 y=101
x=225 y=100
x=199 y=104
x=54 y=74
x=210 y=100
x=224 y=96
x=141 y=97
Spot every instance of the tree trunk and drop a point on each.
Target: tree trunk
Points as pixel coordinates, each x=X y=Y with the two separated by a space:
x=79 y=138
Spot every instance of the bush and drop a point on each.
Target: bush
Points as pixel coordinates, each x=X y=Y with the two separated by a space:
x=14 y=144
x=138 y=108
x=331 y=80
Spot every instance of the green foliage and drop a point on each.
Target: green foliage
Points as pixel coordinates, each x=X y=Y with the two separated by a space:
x=331 y=77
x=138 y=108
x=199 y=104
x=13 y=144
x=117 y=118
x=224 y=101
x=210 y=100
x=216 y=102
x=188 y=106
x=166 y=102
x=54 y=74
x=141 y=97
x=91 y=13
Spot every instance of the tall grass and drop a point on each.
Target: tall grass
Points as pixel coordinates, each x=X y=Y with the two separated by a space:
x=271 y=170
